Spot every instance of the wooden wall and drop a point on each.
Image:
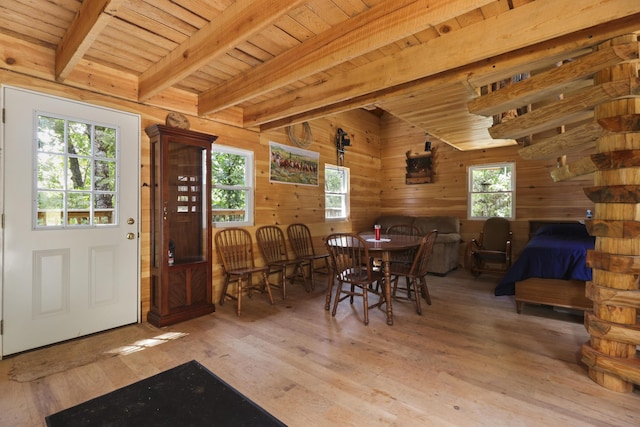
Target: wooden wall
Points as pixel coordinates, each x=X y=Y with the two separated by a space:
x=279 y=204
x=377 y=186
x=537 y=195
x=283 y=204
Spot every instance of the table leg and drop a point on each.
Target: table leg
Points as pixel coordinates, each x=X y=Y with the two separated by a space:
x=386 y=265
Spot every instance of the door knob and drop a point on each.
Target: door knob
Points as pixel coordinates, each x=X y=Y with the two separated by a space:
x=131 y=236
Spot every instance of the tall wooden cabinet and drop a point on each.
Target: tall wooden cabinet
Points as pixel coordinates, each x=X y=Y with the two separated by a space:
x=181 y=247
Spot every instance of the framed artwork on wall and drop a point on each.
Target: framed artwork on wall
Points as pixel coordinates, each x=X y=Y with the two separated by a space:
x=292 y=165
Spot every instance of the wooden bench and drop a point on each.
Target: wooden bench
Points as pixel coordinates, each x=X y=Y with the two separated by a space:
x=553 y=292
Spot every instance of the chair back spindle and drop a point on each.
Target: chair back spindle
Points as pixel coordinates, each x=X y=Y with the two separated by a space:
x=235 y=251
x=274 y=251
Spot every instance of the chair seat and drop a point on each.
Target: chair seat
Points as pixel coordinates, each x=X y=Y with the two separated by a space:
x=400 y=268
x=314 y=256
x=491 y=256
x=360 y=275
x=248 y=270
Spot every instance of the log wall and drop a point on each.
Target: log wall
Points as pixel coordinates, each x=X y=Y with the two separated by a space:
x=613 y=325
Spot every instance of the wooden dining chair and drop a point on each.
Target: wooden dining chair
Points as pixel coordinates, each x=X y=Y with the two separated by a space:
x=415 y=273
x=406 y=229
x=274 y=251
x=235 y=249
x=302 y=245
x=350 y=258
x=405 y=257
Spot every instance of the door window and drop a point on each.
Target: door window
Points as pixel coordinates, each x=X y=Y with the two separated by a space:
x=76 y=173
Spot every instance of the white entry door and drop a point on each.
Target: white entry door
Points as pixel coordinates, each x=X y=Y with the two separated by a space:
x=70 y=202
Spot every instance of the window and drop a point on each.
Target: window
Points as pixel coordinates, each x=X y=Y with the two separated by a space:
x=232 y=186
x=76 y=173
x=336 y=192
x=491 y=191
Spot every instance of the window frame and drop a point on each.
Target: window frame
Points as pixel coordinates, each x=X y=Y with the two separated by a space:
x=345 y=193
x=65 y=191
x=249 y=187
x=470 y=192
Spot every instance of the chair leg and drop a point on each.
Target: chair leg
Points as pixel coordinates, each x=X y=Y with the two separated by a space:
x=416 y=292
x=311 y=270
x=365 y=300
x=250 y=287
x=425 y=290
x=224 y=289
x=239 y=302
x=394 y=284
x=299 y=268
x=283 y=282
x=337 y=298
x=265 y=281
x=330 y=283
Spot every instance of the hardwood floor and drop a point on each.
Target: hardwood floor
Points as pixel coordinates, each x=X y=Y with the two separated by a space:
x=469 y=360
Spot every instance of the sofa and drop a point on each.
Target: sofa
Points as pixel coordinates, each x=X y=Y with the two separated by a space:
x=446 y=249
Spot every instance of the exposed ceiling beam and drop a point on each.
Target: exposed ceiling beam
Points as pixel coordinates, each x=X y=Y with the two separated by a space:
x=236 y=24
x=88 y=23
x=381 y=25
x=518 y=28
x=481 y=73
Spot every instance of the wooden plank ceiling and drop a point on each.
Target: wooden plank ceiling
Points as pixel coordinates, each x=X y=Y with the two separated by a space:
x=271 y=63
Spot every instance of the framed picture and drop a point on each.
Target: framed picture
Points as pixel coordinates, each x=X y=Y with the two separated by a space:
x=292 y=165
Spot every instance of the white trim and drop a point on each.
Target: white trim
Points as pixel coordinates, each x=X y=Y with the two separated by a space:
x=500 y=165
x=346 y=193
x=250 y=179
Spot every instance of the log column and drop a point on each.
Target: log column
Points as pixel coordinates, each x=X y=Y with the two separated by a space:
x=614 y=332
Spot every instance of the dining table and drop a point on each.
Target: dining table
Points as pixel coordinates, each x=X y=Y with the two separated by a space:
x=384 y=247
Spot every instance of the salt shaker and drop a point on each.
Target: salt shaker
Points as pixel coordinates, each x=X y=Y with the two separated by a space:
x=376 y=228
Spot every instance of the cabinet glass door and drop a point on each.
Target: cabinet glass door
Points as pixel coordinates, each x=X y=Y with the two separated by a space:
x=186 y=210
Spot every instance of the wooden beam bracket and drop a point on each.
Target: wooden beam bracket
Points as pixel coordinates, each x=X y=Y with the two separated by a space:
x=616 y=159
x=581 y=167
x=627 y=369
x=613 y=229
x=613 y=194
x=625 y=264
x=576 y=139
x=613 y=297
x=622 y=123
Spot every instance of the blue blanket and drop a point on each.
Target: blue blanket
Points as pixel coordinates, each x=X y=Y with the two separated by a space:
x=557 y=251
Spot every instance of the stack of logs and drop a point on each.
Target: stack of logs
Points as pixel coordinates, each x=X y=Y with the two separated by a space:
x=613 y=325
x=602 y=113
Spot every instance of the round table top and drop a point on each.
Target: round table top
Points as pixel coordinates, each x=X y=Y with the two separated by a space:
x=395 y=242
